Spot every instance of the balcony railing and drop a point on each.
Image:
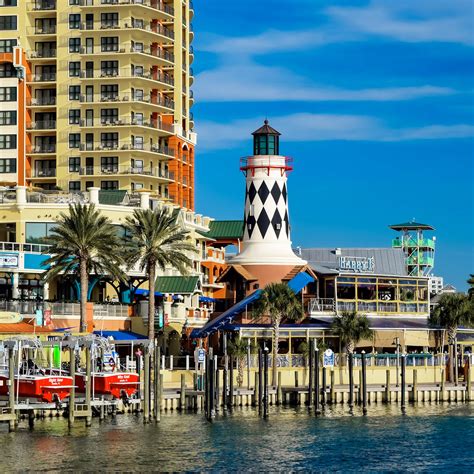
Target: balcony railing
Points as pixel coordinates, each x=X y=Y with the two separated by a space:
x=41 y=125
x=128 y=74
x=42 y=77
x=116 y=170
x=41 y=5
x=41 y=101
x=41 y=149
x=155 y=4
x=129 y=122
x=154 y=100
x=127 y=147
x=42 y=30
x=44 y=173
x=42 y=53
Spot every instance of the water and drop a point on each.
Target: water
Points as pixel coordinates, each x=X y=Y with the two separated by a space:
x=428 y=438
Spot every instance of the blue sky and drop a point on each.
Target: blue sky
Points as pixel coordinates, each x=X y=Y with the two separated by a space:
x=374 y=100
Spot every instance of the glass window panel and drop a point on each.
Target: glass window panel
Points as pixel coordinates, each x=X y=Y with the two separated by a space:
x=346 y=291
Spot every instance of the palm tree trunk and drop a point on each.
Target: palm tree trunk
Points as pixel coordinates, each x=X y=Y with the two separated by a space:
x=151 y=300
x=276 y=340
x=84 y=284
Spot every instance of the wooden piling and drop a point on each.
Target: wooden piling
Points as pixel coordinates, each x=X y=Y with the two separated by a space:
x=182 y=393
x=296 y=379
x=260 y=391
x=265 y=383
x=403 y=379
x=231 y=383
x=88 y=386
x=255 y=390
x=364 y=384
x=323 y=389
x=333 y=388
x=388 y=393
x=351 y=380
x=11 y=387
x=468 y=383
x=311 y=373
x=414 y=396
x=72 y=396
x=279 y=394
x=224 y=382
x=316 y=382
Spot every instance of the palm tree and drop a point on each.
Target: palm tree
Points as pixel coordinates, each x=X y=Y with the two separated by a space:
x=351 y=327
x=238 y=349
x=153 y=239
x=453 y=310
x=83 y=242
x=278 y=301
x=470 y=282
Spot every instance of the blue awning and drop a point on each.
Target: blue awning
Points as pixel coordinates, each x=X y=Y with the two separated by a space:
x=298 y=282
x=206 y=299
x=143 y=292
x=226 y=317
x=120 y=335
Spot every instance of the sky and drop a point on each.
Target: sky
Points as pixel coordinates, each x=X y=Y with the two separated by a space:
x=374 y=100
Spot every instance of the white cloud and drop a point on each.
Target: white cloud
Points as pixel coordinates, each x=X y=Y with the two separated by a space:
x=248 y=81
x=304 y=127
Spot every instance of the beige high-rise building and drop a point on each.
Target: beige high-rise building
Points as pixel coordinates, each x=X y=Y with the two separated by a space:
x=107 y=94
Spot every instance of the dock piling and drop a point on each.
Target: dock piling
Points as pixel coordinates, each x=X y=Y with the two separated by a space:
x=157 y=395
x=310 y=373
x=265 y=383
x=364 y=384
x=72 y=396
x=11 y=387
x=351 y=380
x=323 y=389
x=146 y=388
x=403 y=379
x=88 y=386
x=316 y=381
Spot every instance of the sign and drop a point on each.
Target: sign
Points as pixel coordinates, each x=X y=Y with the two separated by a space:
x=201 y=355
x=39 y=317
x=9 y=260
x=357 y=264
x=328 y=358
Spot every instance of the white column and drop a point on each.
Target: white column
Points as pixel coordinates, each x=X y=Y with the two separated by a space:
x=21 y=194
x=145 y=200
x=46 y=291
x=94 y=195
x=15 y=292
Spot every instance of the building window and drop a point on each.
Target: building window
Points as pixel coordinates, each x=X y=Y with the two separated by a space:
x=8 y=117
x=7 y=142
x=109 y=164
x=74 y=164
x=74 y=186
x=8 y=22
x=7 y=94
x=7 y=70
x=74 y=92
x=108 y=116
x=74 y=21
x=8 y=165
x=74 y=45
x=89 y=184
x=74 y=116
x=37 y=231
x=74 y=2
x=109 y=140
x=109 y=185
x=109 y=44
x=109 y=91
x=109 y=20
x=8 y=3
x=6 y=46
x=109 y=68
x=74 y=68
x=74 y=140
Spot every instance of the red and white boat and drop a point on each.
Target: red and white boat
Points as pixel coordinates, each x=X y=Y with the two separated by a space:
x=45 y=388
x=110 y=384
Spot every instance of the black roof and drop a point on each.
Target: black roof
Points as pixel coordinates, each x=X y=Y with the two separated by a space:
x=266 y=130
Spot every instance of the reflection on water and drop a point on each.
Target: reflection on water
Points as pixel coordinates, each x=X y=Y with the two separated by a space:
x=429 y=437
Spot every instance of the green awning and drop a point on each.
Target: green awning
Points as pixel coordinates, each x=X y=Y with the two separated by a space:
x=112 y=197
x=226 y=230
x=177 y=284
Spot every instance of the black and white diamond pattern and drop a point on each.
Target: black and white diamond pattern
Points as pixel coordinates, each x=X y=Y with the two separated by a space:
x=276 y=223
x=263 y=192
x=263 y=222
x=287 y=224
x=284 y=193
x=276 y=192
x=252 y=192
x=250 y=225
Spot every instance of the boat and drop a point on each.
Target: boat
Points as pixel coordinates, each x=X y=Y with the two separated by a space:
x=31 y=380
x=107 y=379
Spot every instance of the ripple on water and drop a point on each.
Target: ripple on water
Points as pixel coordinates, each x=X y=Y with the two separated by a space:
x=428 y=437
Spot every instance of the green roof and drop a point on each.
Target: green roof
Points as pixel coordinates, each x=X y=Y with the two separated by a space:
x=112 y=197
x=176 y=284
x=411 y=226
x=226 y=230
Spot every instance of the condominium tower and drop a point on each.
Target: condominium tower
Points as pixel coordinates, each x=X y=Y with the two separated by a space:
x=106 y=96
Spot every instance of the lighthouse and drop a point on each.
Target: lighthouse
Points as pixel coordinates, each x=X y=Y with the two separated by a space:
x=266 y=246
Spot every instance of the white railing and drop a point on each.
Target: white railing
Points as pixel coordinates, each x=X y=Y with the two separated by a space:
x=322 y=305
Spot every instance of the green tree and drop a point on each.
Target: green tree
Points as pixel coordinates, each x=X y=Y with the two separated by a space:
x=351 y=327
x=278 y=301
x=453 y=310
x=154 y=240
x=83 y=242
x=470 y=282
x=238 y=349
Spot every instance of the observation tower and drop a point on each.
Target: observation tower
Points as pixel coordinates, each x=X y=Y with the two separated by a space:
x=419 y=250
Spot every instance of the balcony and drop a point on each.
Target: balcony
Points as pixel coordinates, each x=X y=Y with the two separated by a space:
x=41 y=125
x=44 y=173
x=40 y=101
x=156 y=100
x=127 y=122
x=125 y=25
x=155 y=4
x=124 y=170
x=42 y=5
x=42 y=30
x=128 y=73
x=42 y=77
x=42 y=54
x=40 y=149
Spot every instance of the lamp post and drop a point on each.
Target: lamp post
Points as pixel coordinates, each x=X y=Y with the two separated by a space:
x=396 y=342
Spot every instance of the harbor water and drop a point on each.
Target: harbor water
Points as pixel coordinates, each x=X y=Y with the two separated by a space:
x=428 y=437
